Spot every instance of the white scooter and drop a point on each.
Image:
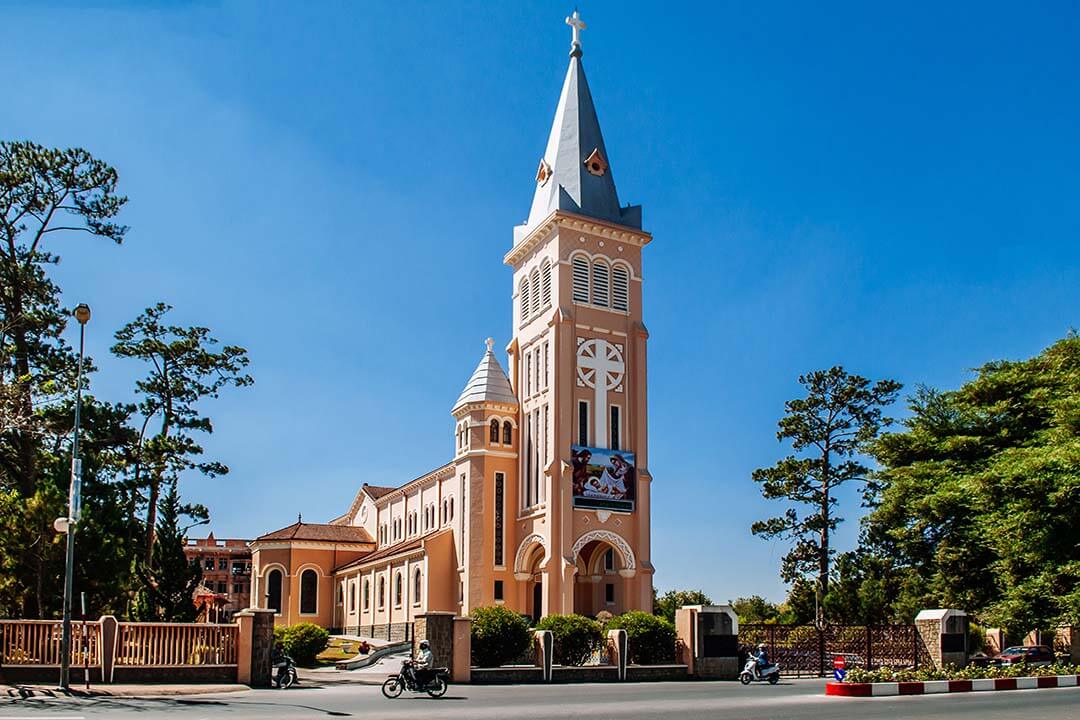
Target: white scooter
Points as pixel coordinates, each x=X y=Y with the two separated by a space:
x=751 y=672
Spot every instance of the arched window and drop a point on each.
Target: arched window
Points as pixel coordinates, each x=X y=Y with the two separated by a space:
x=507 y=432
x=444 y=507
x=545 y=283
x=366 y=595
x=600 y=283
x=416 y=587
x=620 y=288
x=273 y=590
x=493 y=435
x=535 y=291
x=451 y=507
x=352 y=597
x=382 y=592
x=309 y=592
x=523 y=296
x=581 y=279
x=397 y=590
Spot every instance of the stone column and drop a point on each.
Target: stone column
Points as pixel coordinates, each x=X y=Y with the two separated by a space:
x=255 y=645
x=438 y=629
x=109 y=636
x=618 y=650
x=710 y=634
x=944 y=633
x=461 y=666
x=544 y=642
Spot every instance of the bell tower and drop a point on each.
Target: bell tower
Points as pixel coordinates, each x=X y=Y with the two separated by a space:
x=578 y=368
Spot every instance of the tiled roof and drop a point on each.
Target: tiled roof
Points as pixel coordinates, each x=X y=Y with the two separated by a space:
x=378 y=491
x=392 y=550
x=325 y=533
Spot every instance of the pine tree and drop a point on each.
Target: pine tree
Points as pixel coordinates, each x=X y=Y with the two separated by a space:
x=169 y=581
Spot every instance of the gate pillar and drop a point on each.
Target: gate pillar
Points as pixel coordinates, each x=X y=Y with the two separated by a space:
x=710 y=634
x=944 y=632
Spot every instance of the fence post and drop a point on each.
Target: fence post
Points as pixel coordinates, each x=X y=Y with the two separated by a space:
x=461 y=669
x=254 y=646
x=109 y=633
x=618 y=645
x=821 y=651
x=544 y=640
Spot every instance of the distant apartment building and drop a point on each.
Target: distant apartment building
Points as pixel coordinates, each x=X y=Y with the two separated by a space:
x=226 y=566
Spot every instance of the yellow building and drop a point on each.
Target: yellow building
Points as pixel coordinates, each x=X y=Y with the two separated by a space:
x=544 y=506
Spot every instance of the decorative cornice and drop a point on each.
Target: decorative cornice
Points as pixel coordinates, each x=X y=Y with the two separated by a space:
x=561 y=218
x=440 y=473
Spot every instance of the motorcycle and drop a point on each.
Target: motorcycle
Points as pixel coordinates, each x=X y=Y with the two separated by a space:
x=752 y=672
x=288 y=678
x=406 y=680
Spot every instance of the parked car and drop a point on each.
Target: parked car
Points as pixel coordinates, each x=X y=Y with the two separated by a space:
x=1028 y=654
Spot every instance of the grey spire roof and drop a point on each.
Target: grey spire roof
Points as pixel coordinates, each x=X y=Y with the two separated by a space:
x=569 y=185
x=488 y=383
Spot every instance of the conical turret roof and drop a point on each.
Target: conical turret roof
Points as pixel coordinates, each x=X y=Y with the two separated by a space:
x=575 y=173
x=488 y=383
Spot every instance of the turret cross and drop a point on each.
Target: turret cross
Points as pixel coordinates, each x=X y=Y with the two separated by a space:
x=575 y=22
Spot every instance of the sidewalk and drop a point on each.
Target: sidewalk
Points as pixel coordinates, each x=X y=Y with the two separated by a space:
x=117 y=691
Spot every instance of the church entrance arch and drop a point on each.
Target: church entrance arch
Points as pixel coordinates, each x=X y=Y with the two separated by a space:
x=605 y=563
x=528 y=568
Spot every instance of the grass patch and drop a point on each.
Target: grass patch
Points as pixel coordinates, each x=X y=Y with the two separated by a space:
x=335 y=651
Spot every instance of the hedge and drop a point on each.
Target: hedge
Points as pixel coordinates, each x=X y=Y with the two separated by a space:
x=970 y=672
x=499 y=636
x=650 y=639
x=302 y=642
x=575 y=637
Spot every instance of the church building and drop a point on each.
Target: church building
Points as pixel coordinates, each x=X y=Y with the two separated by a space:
x=544 y=506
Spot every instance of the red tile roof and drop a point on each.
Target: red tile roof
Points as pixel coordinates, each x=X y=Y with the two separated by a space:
x=378 y=491
x=393 y=550
x=325 y=533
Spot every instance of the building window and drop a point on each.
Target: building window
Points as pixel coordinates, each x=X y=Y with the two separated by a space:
x=538 y=367
x=615 y=429
x=500 y=482
x=600 y=283
x=352 y=597
x=544 y=455
x=273 y=591
x=451 y=516
x=609 y=560
x=620 y=288
x=528 y=460
x=223 y=564
x=536 y=291
x=493 y=432
x=547 y=364
x=382 y=593
x=309 y=592
x=545 y=282
x=237 y=588
x=416 y=587
x=366 y=596
x=581 y=279
x=583 y=422
x=222 y=587
x=498 y=591
x=609 y=593
x=397 y=590
x=209 y=564
x=523 y=297
x=445 y=505
x=528 y=382
x=537 y=469
x=507 y=433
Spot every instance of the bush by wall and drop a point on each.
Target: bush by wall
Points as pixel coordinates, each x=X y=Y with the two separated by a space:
x=575 y=636
x=499 y=636
x=970 y=672
x=650 y=639
x=302 y=642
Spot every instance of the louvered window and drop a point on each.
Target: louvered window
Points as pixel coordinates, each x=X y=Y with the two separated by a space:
x=535 y=291
x=581 y=279
x=600 y=283
x=620 y=288
x=523 y=294
x=545 y=283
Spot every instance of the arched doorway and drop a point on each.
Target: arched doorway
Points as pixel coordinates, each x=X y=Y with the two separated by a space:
x=604 y=565
x=528 y=569
x=537 y=598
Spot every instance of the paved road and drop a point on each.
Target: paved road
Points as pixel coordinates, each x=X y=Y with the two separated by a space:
x=799 y=699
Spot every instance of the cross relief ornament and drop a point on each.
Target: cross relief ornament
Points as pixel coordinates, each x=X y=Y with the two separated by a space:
x=600 y=366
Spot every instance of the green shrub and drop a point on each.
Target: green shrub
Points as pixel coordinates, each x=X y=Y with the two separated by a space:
x=971 y=672
x=650 y=639
x=575 y=637
x=302 y=642
x=498 y=636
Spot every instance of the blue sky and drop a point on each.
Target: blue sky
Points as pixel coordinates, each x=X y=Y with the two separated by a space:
x=333 y=186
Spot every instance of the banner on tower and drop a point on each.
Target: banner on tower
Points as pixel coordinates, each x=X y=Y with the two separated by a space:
x=603 y=479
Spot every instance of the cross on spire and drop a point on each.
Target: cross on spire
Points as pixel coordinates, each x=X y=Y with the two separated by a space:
x=577 y=25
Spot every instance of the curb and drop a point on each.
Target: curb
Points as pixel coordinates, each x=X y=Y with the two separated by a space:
x=930 y=687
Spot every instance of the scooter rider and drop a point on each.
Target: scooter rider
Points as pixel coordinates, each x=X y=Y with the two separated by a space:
x=423 y=663
x=279 y=662
x=762 y=658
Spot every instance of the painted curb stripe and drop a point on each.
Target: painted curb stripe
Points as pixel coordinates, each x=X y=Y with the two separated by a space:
x=845 y=689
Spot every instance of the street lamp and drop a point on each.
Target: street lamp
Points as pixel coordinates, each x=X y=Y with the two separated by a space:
x=82 y=314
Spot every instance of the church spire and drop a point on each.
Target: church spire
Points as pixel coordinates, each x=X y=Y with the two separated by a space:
x=575 y=174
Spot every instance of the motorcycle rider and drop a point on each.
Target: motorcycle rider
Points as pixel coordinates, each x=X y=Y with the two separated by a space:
x=762 y=656
x=279 y=662
x=423 y=663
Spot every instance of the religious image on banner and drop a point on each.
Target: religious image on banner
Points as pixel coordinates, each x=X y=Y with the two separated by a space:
x=603 y=479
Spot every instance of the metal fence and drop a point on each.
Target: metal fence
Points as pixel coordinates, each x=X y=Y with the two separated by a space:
x=805 y=650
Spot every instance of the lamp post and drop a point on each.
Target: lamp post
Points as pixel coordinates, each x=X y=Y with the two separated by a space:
x=82 y=314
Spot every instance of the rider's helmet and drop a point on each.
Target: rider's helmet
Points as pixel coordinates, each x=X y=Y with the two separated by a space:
x=761 y=646
x=424 y=645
